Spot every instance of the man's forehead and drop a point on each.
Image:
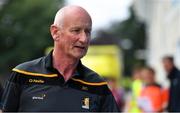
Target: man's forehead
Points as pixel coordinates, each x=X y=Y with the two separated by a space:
x=78 y=16
x=77 y=21
x=81 y=26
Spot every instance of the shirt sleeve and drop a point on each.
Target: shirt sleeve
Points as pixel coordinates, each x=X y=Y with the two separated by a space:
x=108 y=103
x=11 y=94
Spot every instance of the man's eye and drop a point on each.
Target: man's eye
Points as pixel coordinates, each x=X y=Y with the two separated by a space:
x=76 y=30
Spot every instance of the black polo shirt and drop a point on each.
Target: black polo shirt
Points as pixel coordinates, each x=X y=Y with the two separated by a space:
x=37 y=86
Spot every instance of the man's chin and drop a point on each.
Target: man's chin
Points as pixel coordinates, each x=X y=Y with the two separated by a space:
x=78 y=56
x=81 y=56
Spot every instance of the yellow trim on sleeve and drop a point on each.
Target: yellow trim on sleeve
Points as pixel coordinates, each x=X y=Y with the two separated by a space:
x=88 y=83
x=34 y=74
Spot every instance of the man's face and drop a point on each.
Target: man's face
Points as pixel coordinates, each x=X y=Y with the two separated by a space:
x=168 y=65
x=75 y=36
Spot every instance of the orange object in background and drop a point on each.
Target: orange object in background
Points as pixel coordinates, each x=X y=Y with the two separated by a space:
x=165 y=95
x=151 y=98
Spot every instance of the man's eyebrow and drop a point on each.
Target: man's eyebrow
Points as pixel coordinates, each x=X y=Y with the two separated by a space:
x=73 y=27
x=79 y=27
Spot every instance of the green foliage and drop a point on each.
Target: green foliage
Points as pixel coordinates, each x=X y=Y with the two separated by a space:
x=24 y=30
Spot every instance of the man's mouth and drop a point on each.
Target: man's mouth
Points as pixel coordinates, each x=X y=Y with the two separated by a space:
x=80 y=47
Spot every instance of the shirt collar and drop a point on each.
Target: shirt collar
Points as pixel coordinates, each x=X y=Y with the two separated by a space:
x=49 y=64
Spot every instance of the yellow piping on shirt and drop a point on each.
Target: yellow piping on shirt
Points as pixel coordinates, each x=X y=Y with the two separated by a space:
x=34 y=74
x=88 y=83
x=55 y=75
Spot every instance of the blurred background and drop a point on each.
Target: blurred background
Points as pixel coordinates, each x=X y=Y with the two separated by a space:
x=127 y=34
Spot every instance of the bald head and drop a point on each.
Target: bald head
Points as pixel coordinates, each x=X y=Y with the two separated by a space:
x=70 y=12
x=71 y=31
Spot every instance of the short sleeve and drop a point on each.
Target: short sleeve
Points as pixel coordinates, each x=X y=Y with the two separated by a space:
x=11 y=94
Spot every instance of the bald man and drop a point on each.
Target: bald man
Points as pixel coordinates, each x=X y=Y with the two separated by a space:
x=59 y=82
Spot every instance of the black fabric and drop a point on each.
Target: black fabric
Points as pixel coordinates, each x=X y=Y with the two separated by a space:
x=1 y=92
x=174 y=95
x=30 y=93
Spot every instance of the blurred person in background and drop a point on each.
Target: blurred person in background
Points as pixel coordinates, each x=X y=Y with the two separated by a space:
x=59 y=82
x=131 y=104
x=117 y=92
x=151 y=96
x=173 y=75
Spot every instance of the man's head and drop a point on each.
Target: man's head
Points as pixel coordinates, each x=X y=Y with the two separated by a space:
x=168 y=63
x=71 y=31
x=148 y=75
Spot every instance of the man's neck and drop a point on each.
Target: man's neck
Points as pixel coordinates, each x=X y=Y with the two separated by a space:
x=65 y=65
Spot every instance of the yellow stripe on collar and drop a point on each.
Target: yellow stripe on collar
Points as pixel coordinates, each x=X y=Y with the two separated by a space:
x=34 y=74
x=90 y=83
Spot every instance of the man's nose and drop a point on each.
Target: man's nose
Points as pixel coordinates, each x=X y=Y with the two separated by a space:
x=84 y=37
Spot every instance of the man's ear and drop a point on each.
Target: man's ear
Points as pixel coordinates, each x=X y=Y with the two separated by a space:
x=54 y=32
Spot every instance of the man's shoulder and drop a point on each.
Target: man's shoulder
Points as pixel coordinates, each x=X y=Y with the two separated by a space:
x=91 y=76
x=30 y=66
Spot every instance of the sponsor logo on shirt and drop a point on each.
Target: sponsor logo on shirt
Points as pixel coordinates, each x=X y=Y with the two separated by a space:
x=36 y=81
x=41 y=97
